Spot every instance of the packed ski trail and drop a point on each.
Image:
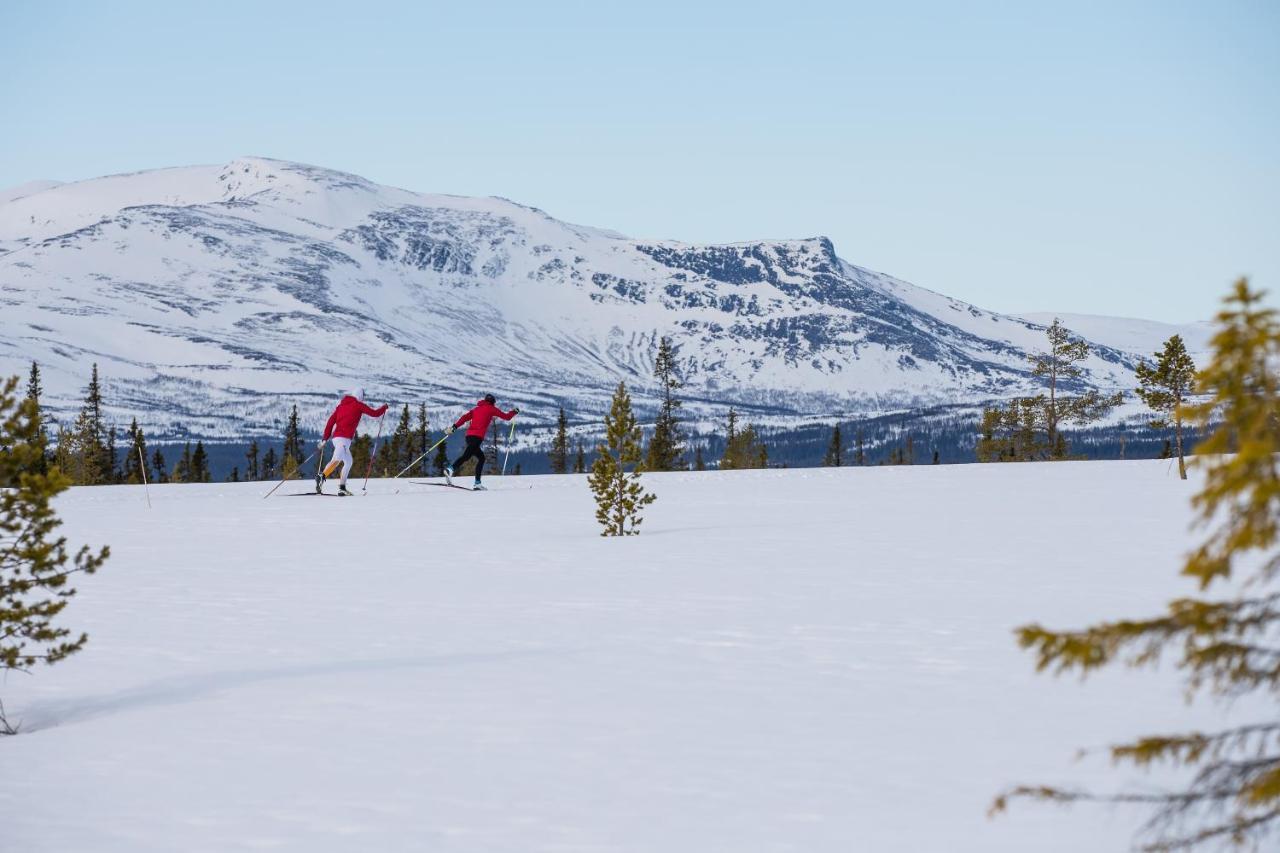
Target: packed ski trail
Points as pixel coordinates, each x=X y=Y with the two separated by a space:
x=804 y=660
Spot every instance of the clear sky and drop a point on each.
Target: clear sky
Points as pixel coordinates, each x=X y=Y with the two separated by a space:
x=1113 y=157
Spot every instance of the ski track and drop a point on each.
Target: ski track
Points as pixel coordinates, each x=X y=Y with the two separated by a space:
x=805 y=660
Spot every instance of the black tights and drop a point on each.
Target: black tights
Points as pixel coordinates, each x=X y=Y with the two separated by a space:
x=473 y=451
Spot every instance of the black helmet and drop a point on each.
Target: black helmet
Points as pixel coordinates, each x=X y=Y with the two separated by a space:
x=490 y=399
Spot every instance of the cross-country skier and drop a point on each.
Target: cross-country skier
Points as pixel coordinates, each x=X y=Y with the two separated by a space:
x=341 y=429
x=481 y=416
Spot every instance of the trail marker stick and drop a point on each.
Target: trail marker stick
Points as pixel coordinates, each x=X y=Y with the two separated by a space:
x=145 y=487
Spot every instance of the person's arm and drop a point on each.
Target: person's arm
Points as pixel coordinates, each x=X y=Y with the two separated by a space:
x=328 y=428
x=373 y=413
x=462 y=420
x=506 y=416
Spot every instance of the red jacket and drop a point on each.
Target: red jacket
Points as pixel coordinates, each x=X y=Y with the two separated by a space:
x=344 y=420
x=481 y=416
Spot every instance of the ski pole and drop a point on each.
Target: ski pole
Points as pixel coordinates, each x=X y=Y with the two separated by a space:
x=145 y=487
x=423 y=456
x=510 y=435
x=372 y=456
x=282 y=480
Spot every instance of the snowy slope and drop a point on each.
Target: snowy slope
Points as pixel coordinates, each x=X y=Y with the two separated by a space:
x=213 y=297
x=780 y=662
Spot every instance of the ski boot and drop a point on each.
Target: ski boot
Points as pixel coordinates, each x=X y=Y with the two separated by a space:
x=320 y=478
x=342 y=491
x=448 y=474
x=479 y=487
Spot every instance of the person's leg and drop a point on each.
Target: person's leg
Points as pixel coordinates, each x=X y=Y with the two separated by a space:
x=473 y=448
x=479 y=458
x=342 y=456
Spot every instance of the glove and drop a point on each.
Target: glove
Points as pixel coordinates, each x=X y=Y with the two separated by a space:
x=450 y=430
x=515 y=412
x=320 y=444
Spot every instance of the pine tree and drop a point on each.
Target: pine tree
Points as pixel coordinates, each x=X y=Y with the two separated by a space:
x=293 y=456
x=199 y=464
x=699 y=464
x=182 y=468
x=400 y=447
x=667 y=444
x=1166 y=452
x=441 y=459
x=559 y=454
x=1013 y=433
x=269 y=463
x=580 y=460
x=936 y=459
x=361 y=449
x=251 y=470
x=620 y=497
x=1165 y=388
x=158 y=467
x=835 y=450
x=1059 y=365
x=742 y=448
x=424 y=441
x=135 y=468
x=1226 y=647
x=491 y=453
x=234 y=476
x=34 y=565
x=35 y=389
x=859 y=456
x=95 y=439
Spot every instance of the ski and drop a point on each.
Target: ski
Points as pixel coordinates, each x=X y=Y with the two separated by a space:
x=442 y=485
x=310 y=495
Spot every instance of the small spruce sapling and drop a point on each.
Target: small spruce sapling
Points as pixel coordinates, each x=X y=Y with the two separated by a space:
x=34 y=564
x=620 y=497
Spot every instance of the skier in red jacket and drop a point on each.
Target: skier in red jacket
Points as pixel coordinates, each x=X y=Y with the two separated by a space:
x=341 y=429
x=481 y=416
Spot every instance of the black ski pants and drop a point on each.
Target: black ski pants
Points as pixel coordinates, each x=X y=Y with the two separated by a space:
x=473 y=451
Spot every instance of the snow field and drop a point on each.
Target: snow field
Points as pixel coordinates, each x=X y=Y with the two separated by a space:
x=804 y=660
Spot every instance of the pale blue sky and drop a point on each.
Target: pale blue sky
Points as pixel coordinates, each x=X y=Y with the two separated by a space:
x=1114 y=158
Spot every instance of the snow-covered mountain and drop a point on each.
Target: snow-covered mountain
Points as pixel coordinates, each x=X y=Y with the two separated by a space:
x=212 y=297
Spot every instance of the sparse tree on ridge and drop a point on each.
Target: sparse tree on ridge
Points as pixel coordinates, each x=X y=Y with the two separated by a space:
x=1226 y=647
x=1165 y=387
x=743 y=448
x=667 y=444
x=34 y=565
x=199 y=466
x=620 y=497
x=835 y=450
x=1061 y=364
x=293 y=456
x=423 y=434
x=35 y=389
x=269 y=463
x=559 y=454
x=252 y=471
x=158 y=467
x=182 y=468
x=441 y=458
x=135 y=466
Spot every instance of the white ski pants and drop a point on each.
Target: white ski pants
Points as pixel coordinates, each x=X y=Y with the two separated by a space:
x=341 y=456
